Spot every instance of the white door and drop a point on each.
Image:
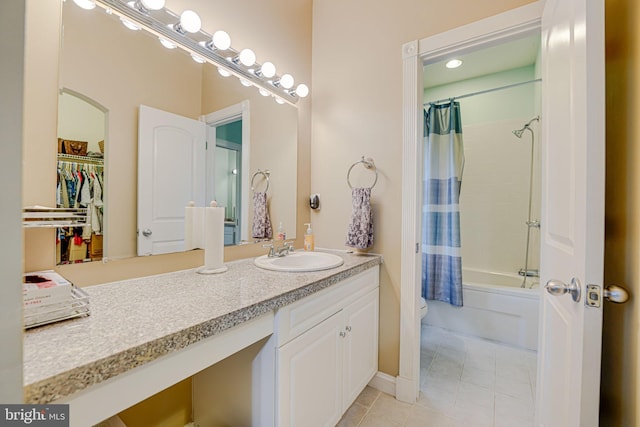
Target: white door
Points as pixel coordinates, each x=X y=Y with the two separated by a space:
x=572 y=238
x=171 y=173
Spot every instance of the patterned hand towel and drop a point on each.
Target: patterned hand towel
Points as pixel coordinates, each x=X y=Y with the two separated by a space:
x=261 y=228
x=360 y=231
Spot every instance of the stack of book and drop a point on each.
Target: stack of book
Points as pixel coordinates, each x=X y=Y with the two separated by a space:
x=48 y=297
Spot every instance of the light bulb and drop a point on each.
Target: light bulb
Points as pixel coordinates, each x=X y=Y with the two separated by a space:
x=190 y=21
x=264 y=92
x=247 y=57
x=199 y=59
x=223 y=72
x=302 y=90
x=166 y=43
x=245 y=82
x=279 y=100
x=267 y=70
x=152 y=4
x=286 y=81
x=221 y=40
x=85 y=4
x=454 y=63
x=130 y=25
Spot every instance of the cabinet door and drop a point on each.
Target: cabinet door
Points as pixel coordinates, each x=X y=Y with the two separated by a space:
x=361 y=345
x=310 y=376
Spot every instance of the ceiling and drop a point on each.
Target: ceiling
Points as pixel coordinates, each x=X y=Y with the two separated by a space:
x=506 y=56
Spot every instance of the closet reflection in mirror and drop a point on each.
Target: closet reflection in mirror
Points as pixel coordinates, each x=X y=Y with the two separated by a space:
x=126 y=69
x=80 y=183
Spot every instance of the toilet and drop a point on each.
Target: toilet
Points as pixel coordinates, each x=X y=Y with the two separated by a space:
x=423 y=307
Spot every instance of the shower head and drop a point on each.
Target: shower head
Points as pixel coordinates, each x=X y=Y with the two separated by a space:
x=519 y=132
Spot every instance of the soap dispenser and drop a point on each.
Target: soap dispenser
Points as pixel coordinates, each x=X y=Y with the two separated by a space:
x=281 y=235
x=309 y=244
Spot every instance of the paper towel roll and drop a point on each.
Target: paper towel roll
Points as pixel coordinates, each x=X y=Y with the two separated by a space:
x=193 y=227
x=213 y=241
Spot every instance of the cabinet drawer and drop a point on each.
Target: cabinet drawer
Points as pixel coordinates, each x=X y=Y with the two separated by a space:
x=302 y=315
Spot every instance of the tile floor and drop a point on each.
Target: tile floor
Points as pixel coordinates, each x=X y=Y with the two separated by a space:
x=465 y=381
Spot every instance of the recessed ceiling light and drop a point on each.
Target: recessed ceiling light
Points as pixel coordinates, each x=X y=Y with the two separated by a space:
x=454 y=63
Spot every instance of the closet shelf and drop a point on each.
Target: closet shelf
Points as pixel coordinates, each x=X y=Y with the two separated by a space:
x=43 y=217
x=80 y=159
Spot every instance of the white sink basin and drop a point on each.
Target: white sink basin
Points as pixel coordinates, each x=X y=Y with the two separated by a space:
x=300 y=262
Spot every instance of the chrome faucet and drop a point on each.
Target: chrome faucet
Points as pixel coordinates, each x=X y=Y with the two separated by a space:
x=287 y=247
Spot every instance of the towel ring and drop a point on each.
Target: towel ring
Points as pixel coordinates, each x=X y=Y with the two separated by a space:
x=367 y=163
x=264 y=173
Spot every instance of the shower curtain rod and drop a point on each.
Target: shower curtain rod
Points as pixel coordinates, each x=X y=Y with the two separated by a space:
x=466 y=95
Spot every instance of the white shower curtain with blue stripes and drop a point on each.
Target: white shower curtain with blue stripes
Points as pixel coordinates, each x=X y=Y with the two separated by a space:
x=443 y=164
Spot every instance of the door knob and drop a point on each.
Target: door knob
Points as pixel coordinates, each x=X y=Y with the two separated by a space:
x=147 y=232
x=557 y=288
x=615 y=293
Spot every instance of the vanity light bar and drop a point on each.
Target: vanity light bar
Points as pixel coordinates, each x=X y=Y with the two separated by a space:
x=161 y=24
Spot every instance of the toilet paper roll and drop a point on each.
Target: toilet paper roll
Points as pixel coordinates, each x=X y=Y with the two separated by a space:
x=213 y=241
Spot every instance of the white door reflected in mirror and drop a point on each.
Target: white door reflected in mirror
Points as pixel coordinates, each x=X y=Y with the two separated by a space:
x=167 y=143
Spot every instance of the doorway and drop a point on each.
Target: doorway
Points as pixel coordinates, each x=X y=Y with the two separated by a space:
x=228 y=136
x=228 y=182
x=499 y=29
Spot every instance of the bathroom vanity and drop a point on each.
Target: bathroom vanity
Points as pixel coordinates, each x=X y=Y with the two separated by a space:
x=319 y=332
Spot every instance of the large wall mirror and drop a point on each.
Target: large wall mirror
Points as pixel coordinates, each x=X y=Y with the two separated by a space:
x=123 y=70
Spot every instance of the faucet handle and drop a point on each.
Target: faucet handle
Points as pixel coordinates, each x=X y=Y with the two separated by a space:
x=289 y=244
x=271 y=249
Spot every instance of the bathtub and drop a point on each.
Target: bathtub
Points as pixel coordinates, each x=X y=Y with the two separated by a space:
x=495 y=308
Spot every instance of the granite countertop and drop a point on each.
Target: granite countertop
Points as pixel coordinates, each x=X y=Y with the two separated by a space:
x=135 y=321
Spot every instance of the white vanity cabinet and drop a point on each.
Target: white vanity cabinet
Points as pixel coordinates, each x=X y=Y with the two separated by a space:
x=327 y=351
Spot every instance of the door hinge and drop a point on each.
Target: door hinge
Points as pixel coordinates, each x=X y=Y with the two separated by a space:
x=594 y=296
x=417 y=248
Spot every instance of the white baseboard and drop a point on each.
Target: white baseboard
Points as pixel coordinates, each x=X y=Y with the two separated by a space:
x=384 y=383
x=406 y=390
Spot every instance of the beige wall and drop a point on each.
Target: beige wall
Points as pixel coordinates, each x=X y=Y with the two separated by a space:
x=619 y=390
x=11 y=112
x=357 y=111
x=273 y=138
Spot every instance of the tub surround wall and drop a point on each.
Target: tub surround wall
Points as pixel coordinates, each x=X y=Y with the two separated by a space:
x=494 y=199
